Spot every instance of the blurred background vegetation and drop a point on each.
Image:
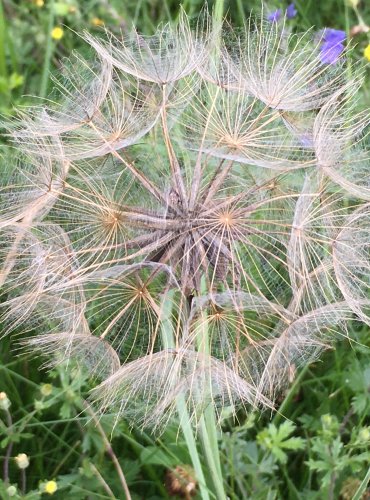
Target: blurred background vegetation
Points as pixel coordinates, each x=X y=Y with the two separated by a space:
x=316 y=447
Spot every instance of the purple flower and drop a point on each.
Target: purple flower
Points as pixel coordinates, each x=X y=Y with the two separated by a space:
x=334 y=36
x=291 y=11
x=275 y=16
x=332 y=46
x=330 y=53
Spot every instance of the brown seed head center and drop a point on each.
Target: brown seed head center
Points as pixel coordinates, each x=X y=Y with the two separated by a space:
x=112 y=219
x=227 y=220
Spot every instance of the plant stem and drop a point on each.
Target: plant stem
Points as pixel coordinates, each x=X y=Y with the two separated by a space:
x=192 y=446
x=23 y=481
x=109 y=450
x=103 y=482
x=361 y=489
x=9 y=449
x=208 y=427
x=65 y=458
x=185 y=423
x=239 y=5
x=178 y=181
x=48 y=52
x=218 y=11
x=212 y=458
x=280 y=414
x=3 y=71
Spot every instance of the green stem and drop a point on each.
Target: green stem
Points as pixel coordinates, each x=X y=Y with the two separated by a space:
x=208 y=425
x=361 y=489
x=211 y=457
x=348 y=26
x=278 y=416
x=239 y=4
x=3 y=71
x=185 y=423
x=48 y=52
x=218 y=11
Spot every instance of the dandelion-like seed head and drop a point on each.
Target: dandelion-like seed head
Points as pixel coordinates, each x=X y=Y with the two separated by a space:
x=22 y=461
x=4 y=401
x=188 y=219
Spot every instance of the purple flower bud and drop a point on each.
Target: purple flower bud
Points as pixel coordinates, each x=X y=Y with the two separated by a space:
x=275 y=16
x=291 y=11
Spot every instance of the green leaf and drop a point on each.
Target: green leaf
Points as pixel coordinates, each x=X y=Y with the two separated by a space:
x=156 y=456
x=276 y=440
x=15 y=81
x=65 y=411
x=297 y=443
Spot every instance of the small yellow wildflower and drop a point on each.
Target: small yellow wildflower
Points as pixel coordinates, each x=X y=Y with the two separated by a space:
x=50 y=487
x=46 y=389
x=22 y=460
x=39 y=3
x=367 y=52
x=57 y=33
x=96 y=21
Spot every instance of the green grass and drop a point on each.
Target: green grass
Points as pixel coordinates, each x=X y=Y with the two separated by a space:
x=327 y=409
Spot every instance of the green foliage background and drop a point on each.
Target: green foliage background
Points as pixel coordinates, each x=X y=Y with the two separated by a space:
x=316 y=447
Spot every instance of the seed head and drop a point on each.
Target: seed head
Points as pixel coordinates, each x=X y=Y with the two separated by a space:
x=22 y=461
x=186 y=217
x=4 y=401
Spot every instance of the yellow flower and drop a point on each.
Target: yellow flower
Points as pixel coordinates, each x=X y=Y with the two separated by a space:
x=39 y=3
x=22 y=460
x=50 y=487
x=57 y=33
x=367 y=53
x=96 y=21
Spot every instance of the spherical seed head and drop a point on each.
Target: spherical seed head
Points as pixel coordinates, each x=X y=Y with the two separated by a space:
x=11 y=490
x=4 y=401
x=22 y=461
x=181 y=481
x=179 y=220
x=350 y=487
